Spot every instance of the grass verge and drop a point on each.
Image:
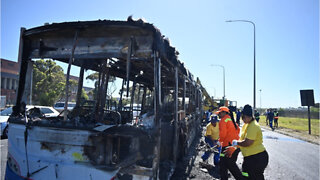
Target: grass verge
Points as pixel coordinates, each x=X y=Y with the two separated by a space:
x=297 y=128
x=299 y=124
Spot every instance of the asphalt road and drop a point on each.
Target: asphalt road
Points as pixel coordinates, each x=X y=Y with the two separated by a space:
x=3 y=156
x=289 y=158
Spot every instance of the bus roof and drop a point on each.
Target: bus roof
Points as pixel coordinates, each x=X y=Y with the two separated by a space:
x=99 y=40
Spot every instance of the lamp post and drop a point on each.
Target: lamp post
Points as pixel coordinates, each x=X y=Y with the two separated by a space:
x=260 y=100
x=224 y=80
x=254 y=58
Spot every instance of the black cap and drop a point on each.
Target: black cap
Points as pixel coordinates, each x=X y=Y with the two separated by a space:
x=247 y=110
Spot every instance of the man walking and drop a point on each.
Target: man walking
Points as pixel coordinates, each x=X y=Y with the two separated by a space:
x=270 y=117
x=266 y=114
x=257 y=115
x=276 y=117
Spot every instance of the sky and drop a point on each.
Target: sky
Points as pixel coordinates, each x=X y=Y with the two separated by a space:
x=287 y=40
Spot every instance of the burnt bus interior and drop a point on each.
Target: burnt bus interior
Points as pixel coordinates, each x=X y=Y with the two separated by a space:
x=148 y=66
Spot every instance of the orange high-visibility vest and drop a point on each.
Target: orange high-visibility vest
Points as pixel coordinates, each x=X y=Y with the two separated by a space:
x=227 y=130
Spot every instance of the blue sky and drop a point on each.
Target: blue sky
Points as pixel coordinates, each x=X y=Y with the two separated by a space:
x=287 y=39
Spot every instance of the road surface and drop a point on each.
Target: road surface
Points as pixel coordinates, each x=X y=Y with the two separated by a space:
x=3 y=156
x=290 y=158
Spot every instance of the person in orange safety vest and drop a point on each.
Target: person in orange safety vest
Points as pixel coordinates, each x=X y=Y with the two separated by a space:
x=228 y=131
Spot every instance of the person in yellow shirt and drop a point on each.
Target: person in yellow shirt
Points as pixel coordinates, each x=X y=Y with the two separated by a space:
x=255 y=155
x=211 y=138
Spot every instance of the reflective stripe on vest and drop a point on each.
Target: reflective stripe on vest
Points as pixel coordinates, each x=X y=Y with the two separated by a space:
x=245 y=174
x=221 y=155
x=228 y=119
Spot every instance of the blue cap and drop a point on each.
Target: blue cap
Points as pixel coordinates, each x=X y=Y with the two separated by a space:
x=214 y=118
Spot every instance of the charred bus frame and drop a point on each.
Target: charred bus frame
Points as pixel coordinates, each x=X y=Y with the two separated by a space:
x=136 y=52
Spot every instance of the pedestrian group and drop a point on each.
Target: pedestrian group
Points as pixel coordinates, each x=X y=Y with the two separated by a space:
x=272 y=116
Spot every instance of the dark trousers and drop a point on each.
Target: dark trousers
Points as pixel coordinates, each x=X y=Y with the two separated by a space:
x=275 y=122
x=270 y=123
x=230 y=164
x=255 y=165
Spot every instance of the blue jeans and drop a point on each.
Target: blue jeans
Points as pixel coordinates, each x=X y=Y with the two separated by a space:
x=207 y=154
x=270 y=123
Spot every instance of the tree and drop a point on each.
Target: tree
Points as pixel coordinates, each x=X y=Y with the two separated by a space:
x=95 y=77
x=315 y=108
x=84 y=95
x=48 y=82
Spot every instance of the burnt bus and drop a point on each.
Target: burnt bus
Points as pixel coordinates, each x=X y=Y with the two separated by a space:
x=94 y=141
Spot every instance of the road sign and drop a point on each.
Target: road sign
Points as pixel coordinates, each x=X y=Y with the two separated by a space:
x=307 y=99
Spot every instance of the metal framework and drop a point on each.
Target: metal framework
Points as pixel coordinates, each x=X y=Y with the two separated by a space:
x=135 y=52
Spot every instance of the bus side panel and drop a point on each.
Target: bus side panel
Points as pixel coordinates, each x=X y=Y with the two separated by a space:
x=52 y=154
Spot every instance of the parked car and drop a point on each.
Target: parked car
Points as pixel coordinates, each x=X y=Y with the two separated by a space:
x=4 y=116
x=136 y=109
x=59 y=106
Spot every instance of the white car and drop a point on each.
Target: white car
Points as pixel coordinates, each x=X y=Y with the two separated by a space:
x=59 y=106
x=4 y=116
x=136 y=109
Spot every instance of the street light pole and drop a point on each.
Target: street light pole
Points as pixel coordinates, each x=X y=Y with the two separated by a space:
x=260 y=100
x=254 y=58
x=224 y=80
